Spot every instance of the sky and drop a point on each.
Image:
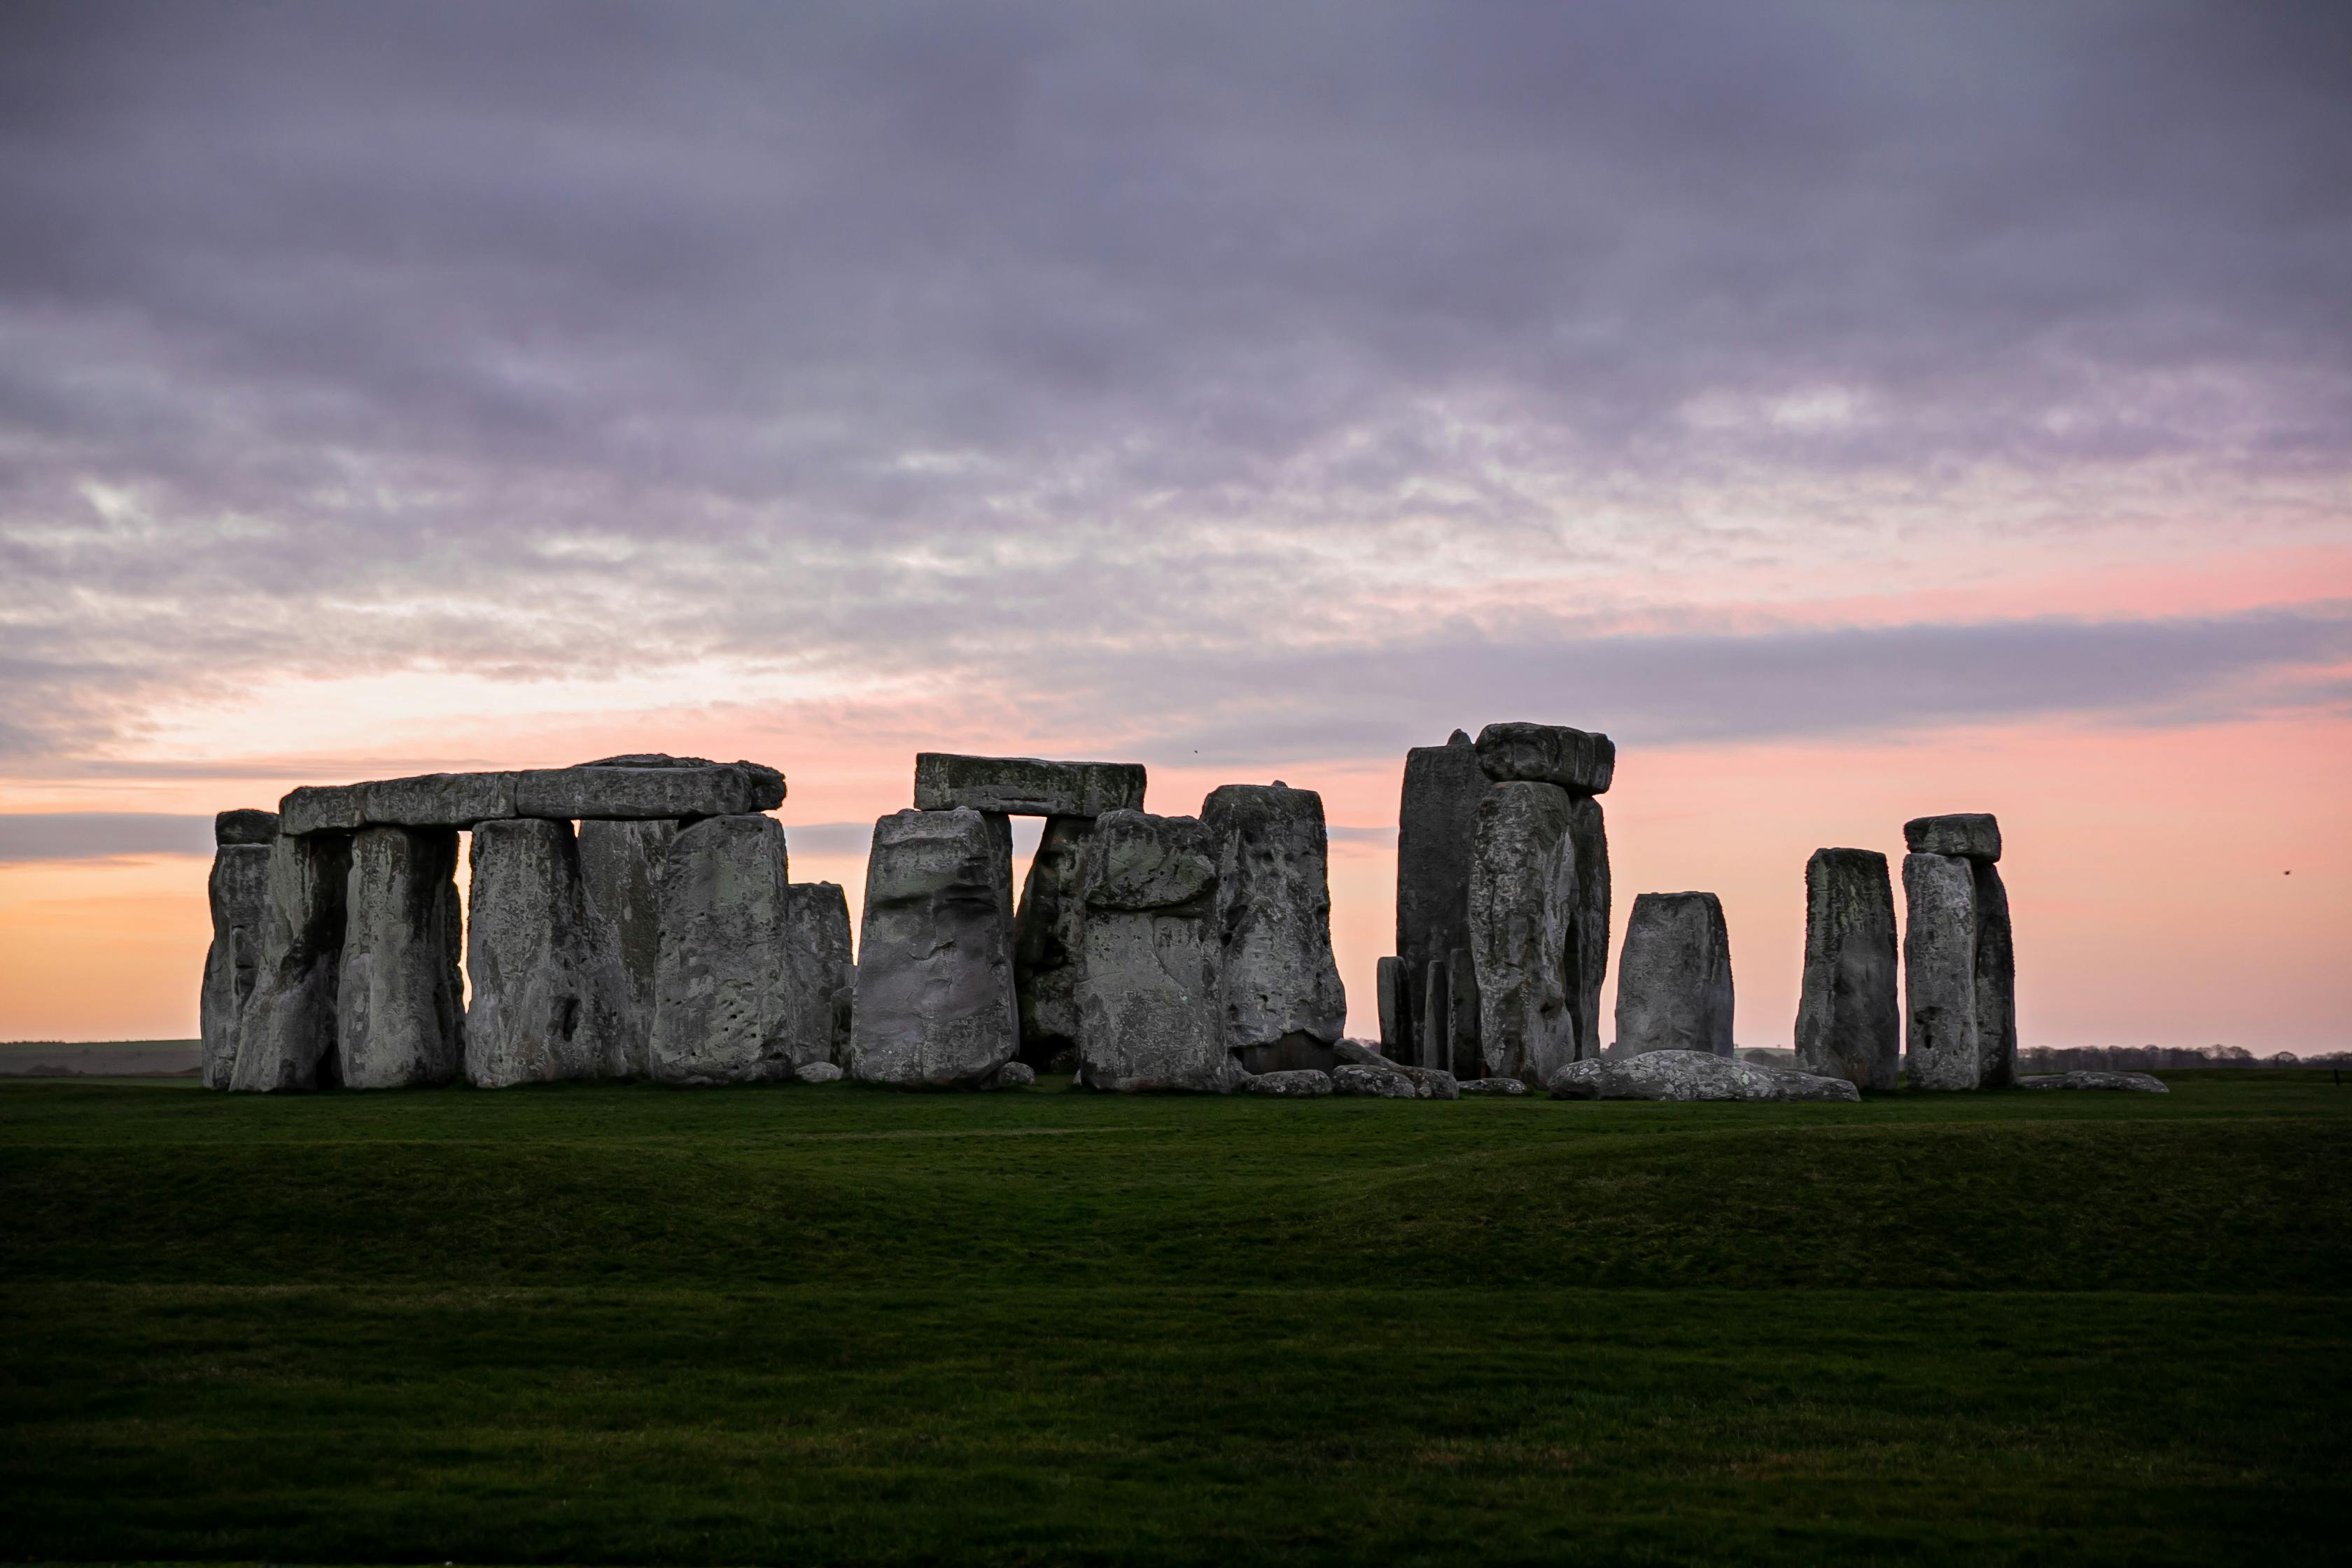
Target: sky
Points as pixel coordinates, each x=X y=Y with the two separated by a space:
x=1857 y=411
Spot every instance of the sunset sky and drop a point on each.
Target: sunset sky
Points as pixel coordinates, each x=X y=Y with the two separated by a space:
x=1858 y=412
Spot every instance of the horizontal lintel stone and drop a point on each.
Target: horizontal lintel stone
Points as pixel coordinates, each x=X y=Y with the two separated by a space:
x=1579 y=760
x=1026 y=786
x=246 y=824
x=626 y=793
x=1971 y=834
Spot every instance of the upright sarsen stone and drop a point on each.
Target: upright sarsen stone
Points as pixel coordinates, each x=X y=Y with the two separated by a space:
x=817 y=916
x=1436 y=835
x=550 y=1001
x=621 y=867
x=400 y=1007
x=1996 y=980
x=726 y=1001
x=1589 y=832
x=1279 y=986
x=1523 y=904
x=238 y=892
x=1674 y=986
x=1149 y=1016
x=286 y=1037
x=1939 y=965
x=1046 y=948
x=1849 y=1022
x=936 y=1007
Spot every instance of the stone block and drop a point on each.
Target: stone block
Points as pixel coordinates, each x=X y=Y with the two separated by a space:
x=245 y=826
x=551 y=1000
x=2140 y=1082
x=400 y=1005
x=1373 y=1083
x=1523 y=911
x=729 y=789
x=1849 y=1020
x=1674 y=985
x=727 y=992
x=1013 y=1074
x=1297 y=1083
x=1576 y=760
x=1940 y=962
x=1971 y=834
x=438 y=800
x=1996 y=975
x=817 y=914
x=936 y=1007
x=1026 y=786
x=621 y=868
x=1691 y=1075
x=286 y=1034
x=238 y=892
x=1278 y=984
x=1492 y=1086
x=1149 y=1017
x=322 y=808
x=1436 y=832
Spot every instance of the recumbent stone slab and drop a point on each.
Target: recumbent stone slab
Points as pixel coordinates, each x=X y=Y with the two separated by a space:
x=936 y=1007
x=2144 y=1083
x=400 y=1005
x=1577 y=760
x=1292 y=1083
x=1149 y=1017
x=1849 y=1020
x=1279 y=989
x=729 y=789
x=1691 y=1075
x=1674 y=985
x=1373 y=1083
x=1026 y=786
x=438 y=800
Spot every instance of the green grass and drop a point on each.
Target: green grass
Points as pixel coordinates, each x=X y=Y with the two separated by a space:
x=621 y=1323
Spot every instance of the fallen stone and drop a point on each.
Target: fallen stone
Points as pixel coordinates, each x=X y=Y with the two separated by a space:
x=935 y=999
x=1996 y=977
x=1576 y=760
x=238 y=892
x=1049 y=942
x=729 y=789
x=817 y=1072
x=550 y=999
x=1148 y=1001
x=1492 y=1086
x=1691 y=1075
x=2144 y=1083
x=246 y=827
x=285 y=1033
x=1297 y=1083
x=321 y=808
x=1523 y=904
x=1437 y=827
x=1432 y=1083
x=728 y=999
x=1361 y=1053
x=438 y=800
x=1026 y=786
x=1377 y=1083
x=620 y=869
x=1013 y=1074
x=1849 y=1022
x=1588 y=955
x=1674 y=986
x=1278 y=984
x=817 y=925
x=1971 y=834
x=1939 y=973
x=400 y=1010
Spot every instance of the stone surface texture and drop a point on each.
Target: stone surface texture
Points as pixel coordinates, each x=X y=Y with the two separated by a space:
x=286 y=1035
x=238 y=892
x=1940 y=1045
x=1278 y=984
x=1691 y=1075
x=1013 y=1074
x=399 y=1004
x=438 y=800
x=1492 y=1086
x=1432 y=1083
x=936 y=1007
x=1849 y=1019
x=1996 y=972
x=818 y=1073
x=321 y=808
x=1295 y=1083
x=1363 y=1053
x=1577 y=761
x=550 y=1001
x=1373 y=1083
x=246 y=826
x=1048 y=940
x=1589 y=954
x=817 y=917
x=1523 y=904
x=620 y=869
x=1971 y=834
x=1148 y=1013
x=1433 y=1036
x=1437 y=825
x=1674 y=984
x=1391 y=993
x=638 y=790
x=1026 y=786
x=2144 y=1083
x=728 y=1001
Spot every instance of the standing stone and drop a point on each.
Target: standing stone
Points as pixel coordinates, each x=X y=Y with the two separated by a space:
x=1434 y=1040
x=1388 y=981
x=1046 y=941
x=1436 y=835
x=238 y=892
x=935 y=998
x=1589 y=833
x=1523 y=903
x=400 y=1006
x=286 y=1035
x=817 y=920
x=1940 y=963
x=550 y=1001
x=1149 y=1014
x=621 y=867
x=1996 y=975
x=1674 y=986
x=1462 y=1014
x=726 y=996
x=1283 y=1004
x=1849 y=1022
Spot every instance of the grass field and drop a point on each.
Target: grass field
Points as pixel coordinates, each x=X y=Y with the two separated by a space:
x=817 y=1324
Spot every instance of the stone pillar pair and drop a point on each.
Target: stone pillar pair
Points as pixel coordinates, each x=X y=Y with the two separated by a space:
x=1959 y=959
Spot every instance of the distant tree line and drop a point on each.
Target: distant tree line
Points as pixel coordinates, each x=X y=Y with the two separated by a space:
x=2156 y=1058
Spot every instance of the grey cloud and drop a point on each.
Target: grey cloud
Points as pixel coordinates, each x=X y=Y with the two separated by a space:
x=100 y=835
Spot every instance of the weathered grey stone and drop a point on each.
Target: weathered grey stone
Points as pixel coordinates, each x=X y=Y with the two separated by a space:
x=1492 y=1086
x=400 y=1010
x=817 y=916
x=1674 y=985
x=1433 y=1040
x=1013 y=1074
x=652 y=760
x=438 y=800
x=1940 y=962
x=935 y=999
x=550 y=1001
x=1148 y=1003
x=1437 y=827
x=2144 y=1083
x=1971 y=834
x=1391 y=993
x=817 y=1072
x=728 y=999
x=1589 y=954
x=1691 y=1075
x=1026 y=786
x=239 y=895
x=245 y=826
x=1293 y=1083
x=1996 y=973
x=1576 y=760
x=1279 y=989
x=1374 y=1083
x=286 y=1035
x=1849 y=1022
x=620 y=869
x=1523 y=906
x=1361 y=1054
x=1432 y=1083
x=1047 y=938
x=321 y=808
x=729 y=789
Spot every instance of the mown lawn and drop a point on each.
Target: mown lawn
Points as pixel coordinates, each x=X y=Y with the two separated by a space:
x=621 y=1324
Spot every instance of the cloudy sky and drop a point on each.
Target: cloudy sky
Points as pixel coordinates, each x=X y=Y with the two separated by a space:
x=1858 y=410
